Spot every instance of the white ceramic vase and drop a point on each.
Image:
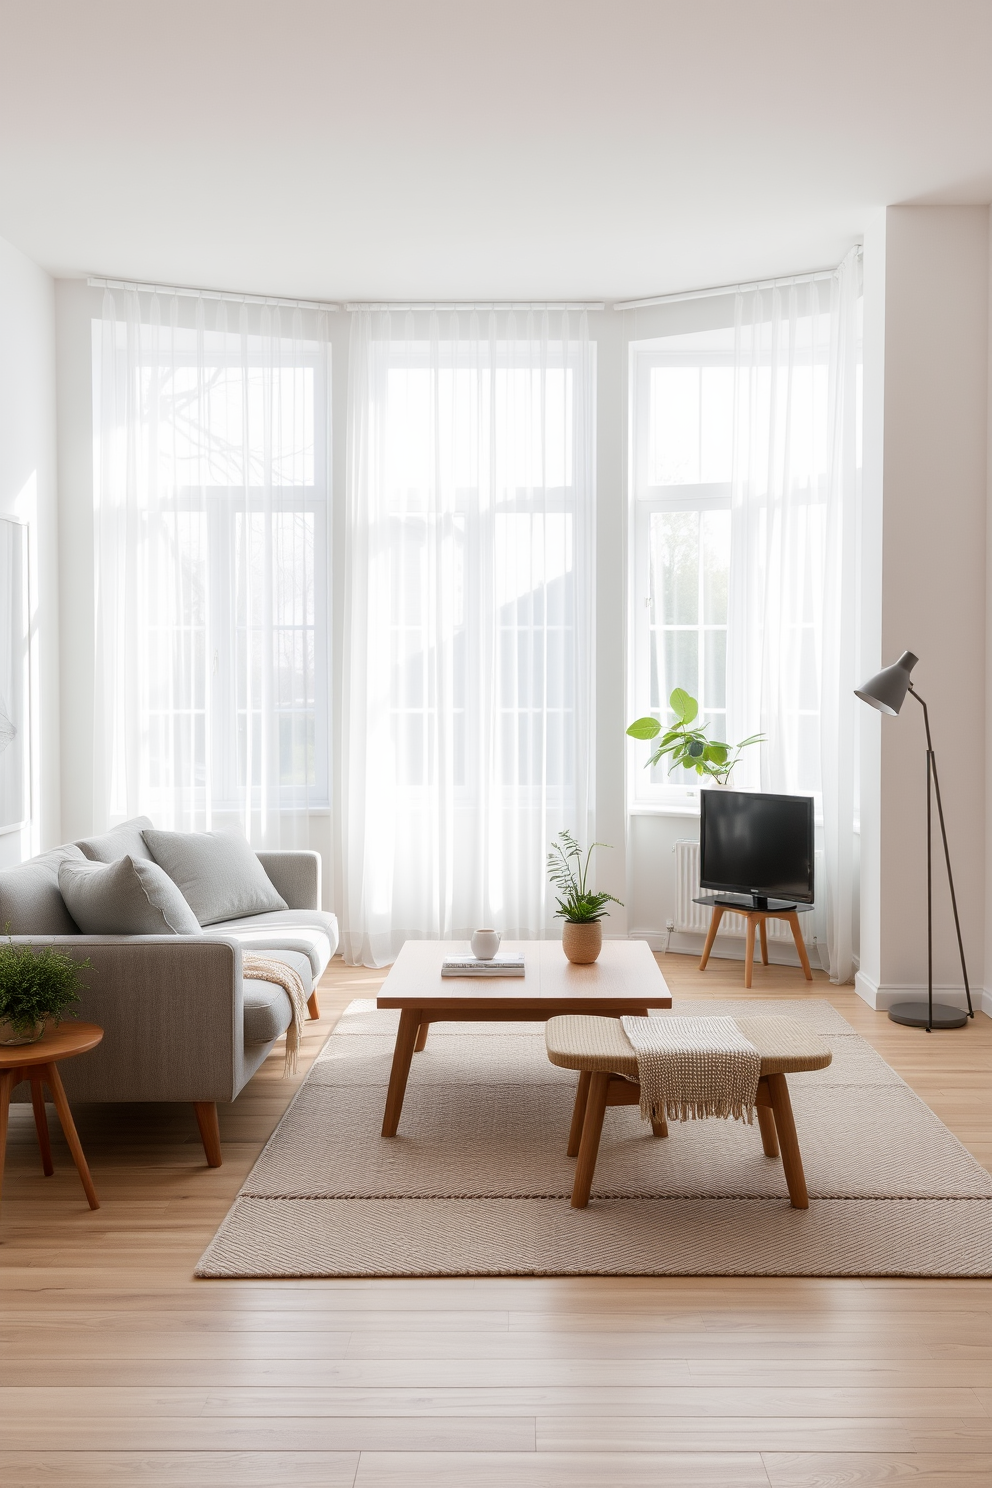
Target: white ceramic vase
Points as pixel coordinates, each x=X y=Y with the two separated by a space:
x=485 y=944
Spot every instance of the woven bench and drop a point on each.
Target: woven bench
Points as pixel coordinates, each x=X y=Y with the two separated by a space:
x=607 y=1064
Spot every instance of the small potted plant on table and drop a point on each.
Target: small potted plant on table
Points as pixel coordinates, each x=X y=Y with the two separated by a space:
x=37 y=987
x=580 y=907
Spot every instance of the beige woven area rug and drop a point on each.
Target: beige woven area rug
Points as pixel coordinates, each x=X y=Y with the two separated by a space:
x=477 y=1182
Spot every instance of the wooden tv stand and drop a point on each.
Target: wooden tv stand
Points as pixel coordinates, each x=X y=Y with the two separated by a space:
x=756 y=921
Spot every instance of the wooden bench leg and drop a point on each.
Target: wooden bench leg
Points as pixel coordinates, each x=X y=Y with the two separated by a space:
x=592 y=1130
x=785 y=1125
x=578 y=1113
x=659 y=1126
x=421 y=1043
x=766 y=1120
x=313 y=1006
x=715 y=918
x=41 y=1125
x=206 y=1120
x=797 y=936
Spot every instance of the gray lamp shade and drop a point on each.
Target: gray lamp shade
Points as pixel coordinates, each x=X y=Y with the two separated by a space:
x=887 y=690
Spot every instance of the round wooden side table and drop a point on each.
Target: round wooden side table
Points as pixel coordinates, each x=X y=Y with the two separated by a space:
x=38 y=1063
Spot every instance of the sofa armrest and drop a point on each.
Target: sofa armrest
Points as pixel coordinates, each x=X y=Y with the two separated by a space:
x=172 y=1011
x=295 y=875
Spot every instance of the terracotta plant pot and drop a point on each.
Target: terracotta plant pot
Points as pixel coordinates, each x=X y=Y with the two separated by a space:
x=582 y=943
x=10 y=1036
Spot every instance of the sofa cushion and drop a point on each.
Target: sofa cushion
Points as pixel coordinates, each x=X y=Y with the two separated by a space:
x=129 y=897
x=267 y=1008
x=311 y=931
x=30 y=901
x=217 y=873
x=125 y=838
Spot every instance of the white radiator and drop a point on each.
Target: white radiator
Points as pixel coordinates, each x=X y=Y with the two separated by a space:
x=695 y=918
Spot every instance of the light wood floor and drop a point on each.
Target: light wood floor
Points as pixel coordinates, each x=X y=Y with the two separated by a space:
x=116 y=1367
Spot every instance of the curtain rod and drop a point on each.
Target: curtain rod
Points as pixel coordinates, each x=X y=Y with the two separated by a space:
x=212 y=294
x=723 y=289
x=479 y=305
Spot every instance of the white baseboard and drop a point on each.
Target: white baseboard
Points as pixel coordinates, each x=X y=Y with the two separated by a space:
x=882 y=996
x=726 y=947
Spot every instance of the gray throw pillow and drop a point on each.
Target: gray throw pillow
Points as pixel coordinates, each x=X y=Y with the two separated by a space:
x=125 y=838
x=218 y=874
x=129 y=897
x=30 y=902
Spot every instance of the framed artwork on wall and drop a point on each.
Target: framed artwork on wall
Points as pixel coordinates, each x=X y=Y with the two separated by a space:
x=15 y=673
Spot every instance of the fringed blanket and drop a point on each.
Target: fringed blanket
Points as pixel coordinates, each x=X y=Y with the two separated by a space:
x=694 y=1067
x=264 y=969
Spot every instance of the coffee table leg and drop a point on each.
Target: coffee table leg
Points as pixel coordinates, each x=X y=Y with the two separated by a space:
x=49 y=1073
x=406 y=1038
x=421 y=1043
x=41 y=1125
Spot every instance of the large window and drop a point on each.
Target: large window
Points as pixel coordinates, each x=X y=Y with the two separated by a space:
x=212 y=464
x=681 y=475
x=734 y=487
x=471 y=562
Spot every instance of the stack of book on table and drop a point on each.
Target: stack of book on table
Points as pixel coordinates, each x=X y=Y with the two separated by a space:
x=500 y=966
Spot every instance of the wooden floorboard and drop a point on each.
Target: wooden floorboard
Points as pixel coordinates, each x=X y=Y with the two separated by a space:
x=116 y=1367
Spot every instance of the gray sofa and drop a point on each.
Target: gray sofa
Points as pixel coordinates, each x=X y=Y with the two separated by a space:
x=180 y=1022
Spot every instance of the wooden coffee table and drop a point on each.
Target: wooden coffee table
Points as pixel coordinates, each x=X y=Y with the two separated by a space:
x=625 y=979
x=37 y=1063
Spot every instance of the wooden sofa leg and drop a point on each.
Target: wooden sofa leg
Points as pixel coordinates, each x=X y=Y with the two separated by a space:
x=313 y=1006
x=206 y=1120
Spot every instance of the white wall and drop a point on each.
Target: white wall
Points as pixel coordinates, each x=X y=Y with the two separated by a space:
x=27 y=493
x=928 y=384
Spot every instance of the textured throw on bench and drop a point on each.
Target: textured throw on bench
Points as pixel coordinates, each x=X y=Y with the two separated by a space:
x=263 y=969
x=690 y=1068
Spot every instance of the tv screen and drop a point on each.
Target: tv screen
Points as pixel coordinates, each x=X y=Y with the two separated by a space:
x=751 y=843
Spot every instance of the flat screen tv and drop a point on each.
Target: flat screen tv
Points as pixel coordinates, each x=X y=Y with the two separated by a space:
x=757 y=844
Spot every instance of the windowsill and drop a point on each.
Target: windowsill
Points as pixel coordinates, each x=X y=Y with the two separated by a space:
x=645 y=808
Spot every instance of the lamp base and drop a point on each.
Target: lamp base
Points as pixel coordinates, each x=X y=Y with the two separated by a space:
x=914 y=1015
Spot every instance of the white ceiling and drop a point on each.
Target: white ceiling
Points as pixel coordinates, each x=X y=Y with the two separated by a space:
x=454 y=148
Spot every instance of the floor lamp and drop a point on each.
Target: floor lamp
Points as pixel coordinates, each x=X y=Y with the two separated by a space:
x=887 y=692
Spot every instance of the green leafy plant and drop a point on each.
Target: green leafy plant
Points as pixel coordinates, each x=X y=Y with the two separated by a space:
x=689 y=746
x=567 y=869
x=37 y=985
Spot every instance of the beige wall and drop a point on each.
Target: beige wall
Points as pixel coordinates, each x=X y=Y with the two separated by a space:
x=931 y=266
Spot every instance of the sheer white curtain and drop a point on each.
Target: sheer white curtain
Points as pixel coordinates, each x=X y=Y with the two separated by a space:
x=469 y=707
x=211 y=472
x=794 y=582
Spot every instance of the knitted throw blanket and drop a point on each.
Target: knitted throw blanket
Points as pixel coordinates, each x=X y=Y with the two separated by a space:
x=694 y=1067
x=263 y=969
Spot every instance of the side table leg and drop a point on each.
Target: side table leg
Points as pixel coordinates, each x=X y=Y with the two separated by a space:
x=797 y=936
x=748 y=950
x=406 y=1038
x=8 y=1079
x=41 y=1125
x=715 y=918
x=49 y=1073
x=763 y=932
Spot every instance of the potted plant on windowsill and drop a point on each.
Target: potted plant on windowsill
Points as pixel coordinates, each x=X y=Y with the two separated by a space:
x=581 y=908
x=37 y=988
x=690 y=747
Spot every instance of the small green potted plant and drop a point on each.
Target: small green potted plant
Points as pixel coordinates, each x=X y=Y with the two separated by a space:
x=690 y=747
x=580 y=907
x=37 y=988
